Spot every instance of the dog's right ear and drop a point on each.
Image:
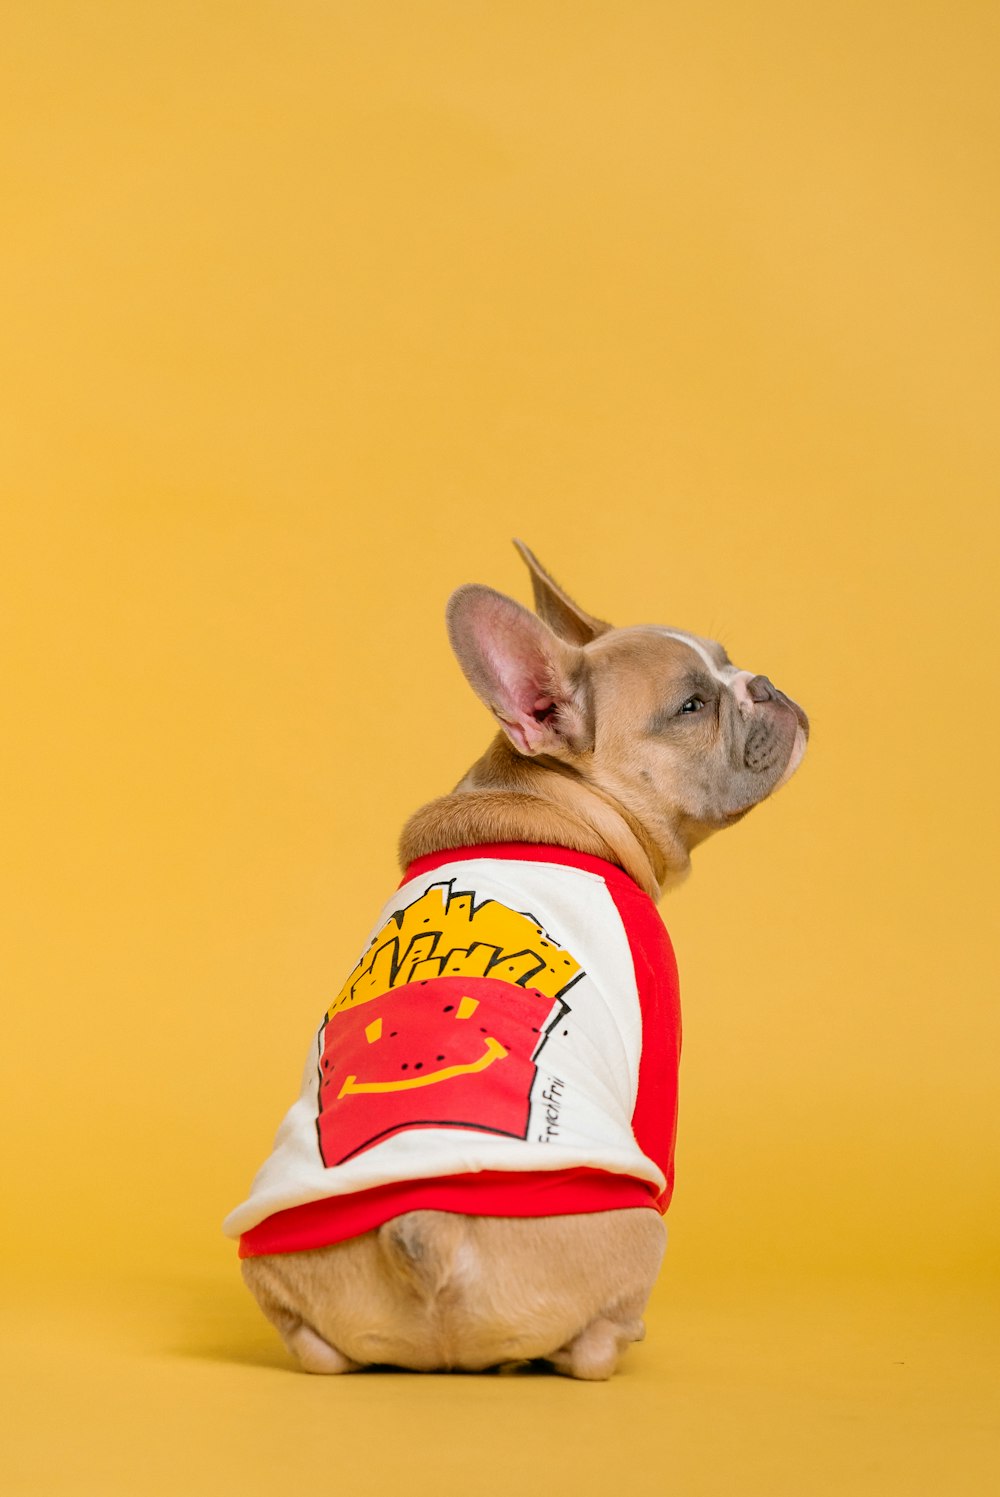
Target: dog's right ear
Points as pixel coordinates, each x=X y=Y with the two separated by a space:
x=556 y=607
x=534 y=683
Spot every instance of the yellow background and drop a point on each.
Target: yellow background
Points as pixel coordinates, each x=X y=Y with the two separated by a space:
x=307 y=309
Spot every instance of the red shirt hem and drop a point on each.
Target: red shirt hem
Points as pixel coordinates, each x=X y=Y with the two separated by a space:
x=487 y=1193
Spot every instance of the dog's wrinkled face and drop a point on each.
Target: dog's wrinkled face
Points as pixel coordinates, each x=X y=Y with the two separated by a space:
x=659 y=719
x=676 y=725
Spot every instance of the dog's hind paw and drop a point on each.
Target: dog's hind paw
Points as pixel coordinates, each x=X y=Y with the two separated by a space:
x=593 y=1354
x=315 y=1354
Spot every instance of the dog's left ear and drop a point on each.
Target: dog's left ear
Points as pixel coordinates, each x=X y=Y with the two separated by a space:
x=535 y=684
x=557 y=608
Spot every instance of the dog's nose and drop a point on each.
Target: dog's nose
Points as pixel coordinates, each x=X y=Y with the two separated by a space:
x=760 y=689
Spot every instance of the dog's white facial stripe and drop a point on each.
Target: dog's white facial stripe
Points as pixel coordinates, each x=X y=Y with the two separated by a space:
x=728 y=675
x=720 y=672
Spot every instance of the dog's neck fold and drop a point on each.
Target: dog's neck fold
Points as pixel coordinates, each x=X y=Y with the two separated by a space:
x=506 y=797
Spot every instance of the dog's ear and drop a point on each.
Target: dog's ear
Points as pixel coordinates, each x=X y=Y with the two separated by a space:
x=534 y=683
x=556 y=607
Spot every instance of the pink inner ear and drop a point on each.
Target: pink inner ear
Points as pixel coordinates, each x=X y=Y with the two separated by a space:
x=527 y=709
x=520 y=668
x=521 y=672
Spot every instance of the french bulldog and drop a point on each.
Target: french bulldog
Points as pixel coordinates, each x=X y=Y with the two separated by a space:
x=475 y=1172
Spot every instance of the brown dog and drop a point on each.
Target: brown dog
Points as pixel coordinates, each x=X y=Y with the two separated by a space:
x=621 y=747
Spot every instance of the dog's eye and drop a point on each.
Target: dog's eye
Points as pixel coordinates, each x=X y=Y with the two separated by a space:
x=693 y=704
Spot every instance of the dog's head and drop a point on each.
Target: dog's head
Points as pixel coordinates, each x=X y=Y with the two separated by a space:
x=656 y=718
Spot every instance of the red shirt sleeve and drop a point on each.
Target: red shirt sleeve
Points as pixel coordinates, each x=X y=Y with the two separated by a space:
x=654 y=1121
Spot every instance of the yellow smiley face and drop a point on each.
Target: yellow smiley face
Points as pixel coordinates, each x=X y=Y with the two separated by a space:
x=373 y=1033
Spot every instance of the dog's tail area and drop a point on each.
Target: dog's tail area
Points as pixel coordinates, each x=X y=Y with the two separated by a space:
x=425 y=1250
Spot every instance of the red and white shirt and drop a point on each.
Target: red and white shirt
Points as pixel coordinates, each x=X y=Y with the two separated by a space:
x=507 y=1045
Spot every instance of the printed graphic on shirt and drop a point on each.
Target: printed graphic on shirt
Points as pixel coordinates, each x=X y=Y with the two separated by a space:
x=440 y=1024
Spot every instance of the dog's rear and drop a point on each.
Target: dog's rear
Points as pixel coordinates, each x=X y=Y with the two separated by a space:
x=432 y=1290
